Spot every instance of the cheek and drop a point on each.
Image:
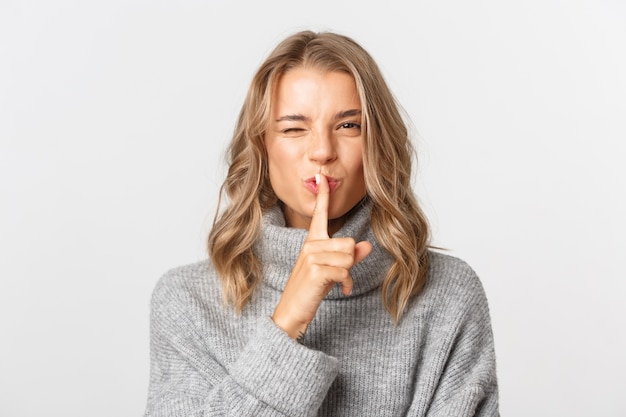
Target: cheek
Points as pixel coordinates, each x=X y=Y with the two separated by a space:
x=280 y=163
x=281 y=154
x=275 y=174
x=356 y=165
x=359 y=173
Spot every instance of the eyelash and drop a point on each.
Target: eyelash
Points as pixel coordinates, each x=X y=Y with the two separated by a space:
x=349 y=125
x=346 y=125
x=292 y=130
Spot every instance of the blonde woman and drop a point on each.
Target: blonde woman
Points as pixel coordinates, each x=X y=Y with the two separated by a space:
x=321 y=296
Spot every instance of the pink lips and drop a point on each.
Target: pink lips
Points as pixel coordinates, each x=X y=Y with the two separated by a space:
x=309 y=183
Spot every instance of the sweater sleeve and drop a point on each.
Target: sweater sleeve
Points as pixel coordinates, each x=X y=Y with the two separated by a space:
x=272 y=376
x=468 y=385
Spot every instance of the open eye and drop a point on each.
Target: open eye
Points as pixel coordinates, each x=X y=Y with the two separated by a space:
x=350 y=125
x=349 y=129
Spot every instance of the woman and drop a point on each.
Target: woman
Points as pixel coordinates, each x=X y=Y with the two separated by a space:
x=320 y=295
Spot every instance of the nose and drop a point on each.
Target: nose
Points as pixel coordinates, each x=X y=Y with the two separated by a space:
x=322 y=148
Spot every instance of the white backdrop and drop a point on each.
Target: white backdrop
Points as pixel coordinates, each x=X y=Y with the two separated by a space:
x=113 y=121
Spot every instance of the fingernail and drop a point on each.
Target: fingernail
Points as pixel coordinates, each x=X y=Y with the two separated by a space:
x=317 y=179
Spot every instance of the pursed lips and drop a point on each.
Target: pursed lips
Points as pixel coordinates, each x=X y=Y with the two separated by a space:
x=333 y=183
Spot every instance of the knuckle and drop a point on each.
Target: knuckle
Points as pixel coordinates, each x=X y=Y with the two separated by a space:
x=348 y=244
x=309 y=259
x=316 y=269
x=350 y=258
x=344 y=274
x=306 y=248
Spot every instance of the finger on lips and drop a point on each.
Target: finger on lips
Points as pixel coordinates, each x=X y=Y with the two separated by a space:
x=319 y=222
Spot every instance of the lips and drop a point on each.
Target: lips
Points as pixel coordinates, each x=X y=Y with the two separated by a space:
x=333 y=183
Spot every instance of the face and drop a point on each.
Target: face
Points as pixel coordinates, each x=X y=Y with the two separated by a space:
x=315 y=128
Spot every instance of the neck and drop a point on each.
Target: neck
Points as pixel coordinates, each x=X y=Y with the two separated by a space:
x=304 y=223
x=279 y=247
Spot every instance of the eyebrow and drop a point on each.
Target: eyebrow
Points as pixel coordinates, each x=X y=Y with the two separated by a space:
x=302 y=118
x=348 y=113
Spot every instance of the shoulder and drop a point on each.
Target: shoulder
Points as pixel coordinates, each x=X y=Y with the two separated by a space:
x=186 y=283
x=453 y=283
x=444 y=269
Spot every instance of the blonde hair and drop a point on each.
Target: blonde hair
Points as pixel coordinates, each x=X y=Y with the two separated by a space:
x=397 y=220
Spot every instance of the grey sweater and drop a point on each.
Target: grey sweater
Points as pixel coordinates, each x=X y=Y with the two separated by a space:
x=208 y=361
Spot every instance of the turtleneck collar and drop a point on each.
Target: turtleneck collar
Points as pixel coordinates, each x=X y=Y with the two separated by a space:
x=278 y=248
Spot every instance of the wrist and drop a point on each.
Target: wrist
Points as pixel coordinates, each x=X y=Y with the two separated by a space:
x=294 y=329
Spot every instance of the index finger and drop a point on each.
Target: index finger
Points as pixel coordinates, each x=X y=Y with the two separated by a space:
x=318 y=228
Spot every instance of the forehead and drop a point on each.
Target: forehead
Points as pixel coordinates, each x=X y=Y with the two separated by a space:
x=311 y=89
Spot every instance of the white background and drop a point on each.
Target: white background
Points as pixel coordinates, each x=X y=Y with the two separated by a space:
x=113 y=121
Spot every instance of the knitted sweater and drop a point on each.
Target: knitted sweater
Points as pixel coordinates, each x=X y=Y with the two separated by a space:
x=206 y=360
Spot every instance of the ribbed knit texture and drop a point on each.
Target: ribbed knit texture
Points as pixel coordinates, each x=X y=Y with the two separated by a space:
x=208 y=361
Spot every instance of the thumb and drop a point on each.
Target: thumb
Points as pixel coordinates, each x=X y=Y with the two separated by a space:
x=361 y=250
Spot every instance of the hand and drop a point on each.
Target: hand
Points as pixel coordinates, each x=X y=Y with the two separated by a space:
x=322 y=263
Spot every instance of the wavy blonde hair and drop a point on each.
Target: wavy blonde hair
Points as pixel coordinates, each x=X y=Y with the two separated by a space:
x=397 y=220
